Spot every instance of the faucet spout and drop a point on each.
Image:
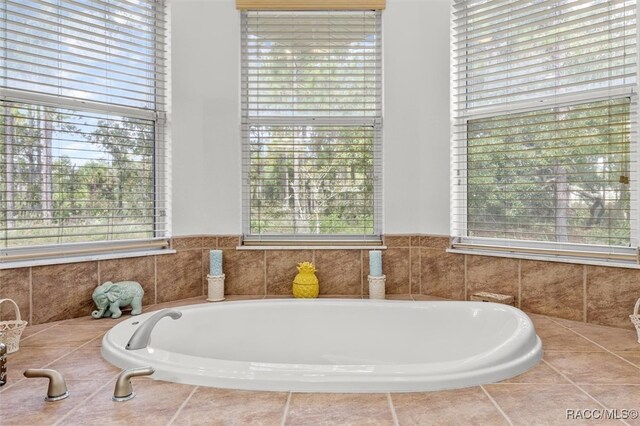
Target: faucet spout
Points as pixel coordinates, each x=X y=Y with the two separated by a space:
x=140 y=338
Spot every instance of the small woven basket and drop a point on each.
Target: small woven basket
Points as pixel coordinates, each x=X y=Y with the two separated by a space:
x=377 y=287
x=10 y=331
x=635 y=318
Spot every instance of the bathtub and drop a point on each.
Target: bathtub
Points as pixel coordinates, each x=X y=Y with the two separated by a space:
x=332 y=345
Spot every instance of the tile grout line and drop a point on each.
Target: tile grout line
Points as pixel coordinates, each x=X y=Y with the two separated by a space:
x=184 y=404
x=202 y=277
x=574 y=384
x=410 y=269
x=584 y=293
x=31 y=295
x=394 y=415
x=419 y=268
x=495 y=404
x=362 y=274
x=519 y=283
x=72 y=350
x=81 y=403
x=466 y=280
x=37 y=332
x=595 y=343
x=285 y=412
x=155 y=280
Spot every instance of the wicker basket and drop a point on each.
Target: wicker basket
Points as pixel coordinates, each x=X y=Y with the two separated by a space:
x=635 y=318
x=10 y=331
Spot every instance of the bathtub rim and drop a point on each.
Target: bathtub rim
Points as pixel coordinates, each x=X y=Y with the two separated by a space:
x=264 y=376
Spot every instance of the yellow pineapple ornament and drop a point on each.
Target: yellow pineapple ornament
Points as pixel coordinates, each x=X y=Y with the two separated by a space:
x=305 y=284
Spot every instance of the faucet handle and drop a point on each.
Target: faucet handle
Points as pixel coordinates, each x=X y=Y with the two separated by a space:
x=57 y=386
x=124 y=389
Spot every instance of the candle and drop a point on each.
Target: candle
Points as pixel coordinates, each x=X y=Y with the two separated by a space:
x=215 y=262
x=375 y=263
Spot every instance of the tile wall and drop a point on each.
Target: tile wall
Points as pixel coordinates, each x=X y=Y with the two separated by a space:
x=413 y=264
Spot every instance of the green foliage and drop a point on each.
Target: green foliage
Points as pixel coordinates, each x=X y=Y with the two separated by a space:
x=311 y=179
x=551 y=175
x=76 y=176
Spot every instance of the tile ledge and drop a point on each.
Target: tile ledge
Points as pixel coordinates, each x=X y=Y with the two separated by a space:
x=87 y=258
x=545 y=258
x=311 y=247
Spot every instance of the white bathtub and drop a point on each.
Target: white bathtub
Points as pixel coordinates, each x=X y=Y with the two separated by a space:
x=327 y=345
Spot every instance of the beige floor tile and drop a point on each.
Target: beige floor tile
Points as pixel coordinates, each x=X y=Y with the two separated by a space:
x=567 y=323
x=85 y=364
x=30 y=330
x=97 y=341
x=469 y=406
x=540 y=374
x=614 y=339
x=631 y=356
x=28 y=357
x=184 y=302
x=424 y=297
x=24 y=404
x=104 y=323
x=538 y=404
x=331 y=408
x=233 y=297
x=61 y=336
x=155 y=404
x=617 y=397
x=594 y=367
x=557 y=338
x=339 y=296
x=209 y=406
x=398 y=297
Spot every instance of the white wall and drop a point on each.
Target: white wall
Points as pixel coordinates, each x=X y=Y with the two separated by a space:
x=205 y=120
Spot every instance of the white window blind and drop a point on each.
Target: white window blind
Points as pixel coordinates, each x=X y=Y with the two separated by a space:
x=82 y=156
x=544 y=149
x=311 y=125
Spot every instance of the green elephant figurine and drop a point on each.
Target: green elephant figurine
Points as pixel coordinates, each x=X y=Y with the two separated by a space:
x=110 y=297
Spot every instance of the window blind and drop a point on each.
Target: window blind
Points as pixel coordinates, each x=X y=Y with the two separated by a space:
x=311 y=125
x=544 y=146
x=82 y=158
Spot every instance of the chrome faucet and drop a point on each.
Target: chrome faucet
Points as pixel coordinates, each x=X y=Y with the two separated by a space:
x=57 y=386
x=140 y=338
x=124 y=390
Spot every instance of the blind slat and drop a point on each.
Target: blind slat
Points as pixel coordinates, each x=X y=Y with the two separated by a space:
x=564 y=170
x=78 y=164
x=321 y=176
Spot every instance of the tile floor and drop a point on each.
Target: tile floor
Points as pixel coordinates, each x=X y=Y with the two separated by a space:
x=585 y=367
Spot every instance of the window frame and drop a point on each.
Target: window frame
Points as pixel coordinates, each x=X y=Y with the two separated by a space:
x=375 y=123
x=159 y=243
x=462 y=111
x=548 y=250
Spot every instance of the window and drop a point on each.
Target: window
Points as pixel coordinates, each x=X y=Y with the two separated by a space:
x=311 y=125
x=81 y=127
x=544 y=141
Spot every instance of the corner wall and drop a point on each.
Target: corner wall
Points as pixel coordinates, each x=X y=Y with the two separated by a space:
x=206 y=117
x=413 y=265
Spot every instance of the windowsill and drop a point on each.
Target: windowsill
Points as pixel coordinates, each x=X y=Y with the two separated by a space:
x=312 y=247
x=83 y=258
x=549 y=258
